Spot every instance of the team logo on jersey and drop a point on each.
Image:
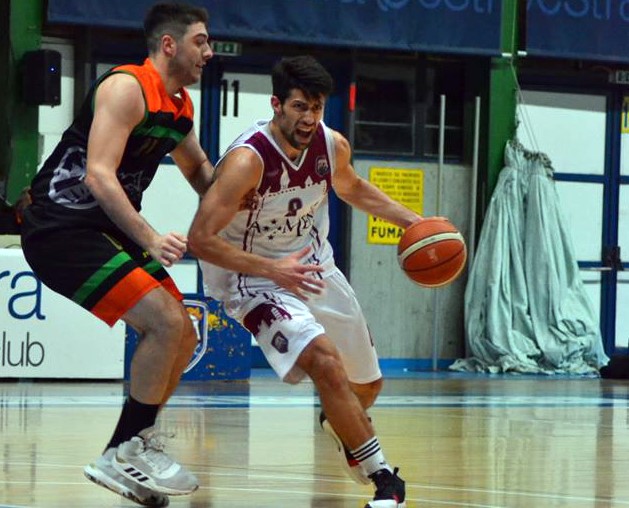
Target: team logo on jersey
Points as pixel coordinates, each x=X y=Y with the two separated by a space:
x=67 y=186
x=134 y=184
x=280 y=342
x=321 y=166
x=265 y=314
x=294 y=205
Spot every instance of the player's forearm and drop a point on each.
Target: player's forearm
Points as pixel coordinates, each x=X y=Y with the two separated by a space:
x=213 y=249
x=396 y=214
x=202 y=178
x=115 y=203
x=372 y=200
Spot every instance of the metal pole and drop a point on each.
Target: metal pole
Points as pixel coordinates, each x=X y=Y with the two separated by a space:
x=442 y=132
x=435 y=293
x=471 y=247
x=471 y=244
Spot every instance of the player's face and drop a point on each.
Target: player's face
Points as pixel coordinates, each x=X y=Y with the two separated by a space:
x=298 y=118
x=193 y=52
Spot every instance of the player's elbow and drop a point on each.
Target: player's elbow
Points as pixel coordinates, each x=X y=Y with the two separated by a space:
x=195 y=242
x=96 y=180
x=347 y=194
x=201 y=244
x=91 y=181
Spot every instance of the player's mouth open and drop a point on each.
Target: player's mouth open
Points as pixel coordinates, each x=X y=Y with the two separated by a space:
x=304 y=133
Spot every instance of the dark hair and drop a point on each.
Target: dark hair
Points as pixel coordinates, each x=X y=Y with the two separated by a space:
x=172 y=19
x=301 y=72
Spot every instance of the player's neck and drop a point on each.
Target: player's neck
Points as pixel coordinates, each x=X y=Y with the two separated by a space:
x=291 y=152
x=172 y=85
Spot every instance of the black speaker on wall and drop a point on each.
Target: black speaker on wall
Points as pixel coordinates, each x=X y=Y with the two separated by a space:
x=41 y=77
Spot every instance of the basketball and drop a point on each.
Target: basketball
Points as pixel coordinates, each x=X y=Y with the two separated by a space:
x=432 y=252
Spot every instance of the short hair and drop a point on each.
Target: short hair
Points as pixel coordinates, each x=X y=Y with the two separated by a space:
x=170 y=18
x=301 y=72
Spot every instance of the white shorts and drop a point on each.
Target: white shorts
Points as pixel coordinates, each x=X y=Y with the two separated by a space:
x=284 y=325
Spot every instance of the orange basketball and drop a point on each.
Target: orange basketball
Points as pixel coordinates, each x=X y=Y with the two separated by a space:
x=432 y=252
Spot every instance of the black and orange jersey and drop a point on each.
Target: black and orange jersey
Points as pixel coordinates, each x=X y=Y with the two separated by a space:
x=59 y=185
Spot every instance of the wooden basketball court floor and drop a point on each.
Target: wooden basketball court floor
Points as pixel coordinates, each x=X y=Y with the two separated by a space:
x=459 y=439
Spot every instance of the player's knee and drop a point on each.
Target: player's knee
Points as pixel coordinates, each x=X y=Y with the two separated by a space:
x=189 y=335
x=170 y=326
x=367 y=393
x=328 y=372
x=375 y=386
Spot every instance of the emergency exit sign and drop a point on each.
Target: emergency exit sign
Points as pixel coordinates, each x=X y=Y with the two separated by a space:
x=226 y=48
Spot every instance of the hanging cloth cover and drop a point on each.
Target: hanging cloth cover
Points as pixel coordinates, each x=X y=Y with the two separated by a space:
x=526 y=310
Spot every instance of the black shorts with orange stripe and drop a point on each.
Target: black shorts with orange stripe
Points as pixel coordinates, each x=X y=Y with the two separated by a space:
x=101 y=269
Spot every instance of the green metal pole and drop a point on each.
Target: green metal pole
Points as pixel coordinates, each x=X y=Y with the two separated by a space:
x=19 y=122
x=502 y=96
x=4 y=97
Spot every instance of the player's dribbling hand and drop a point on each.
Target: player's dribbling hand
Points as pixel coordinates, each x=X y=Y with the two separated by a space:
x=299 y=278
x=169 y=248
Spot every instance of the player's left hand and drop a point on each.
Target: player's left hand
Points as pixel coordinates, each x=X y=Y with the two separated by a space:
x=420 y=219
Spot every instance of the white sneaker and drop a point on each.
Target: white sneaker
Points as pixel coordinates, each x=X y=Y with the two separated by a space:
x=351 y=466
x=102 y=473
x=142 y=459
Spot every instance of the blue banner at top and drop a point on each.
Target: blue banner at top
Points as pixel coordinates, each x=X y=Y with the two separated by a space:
x=448 y=26
x=582 y=29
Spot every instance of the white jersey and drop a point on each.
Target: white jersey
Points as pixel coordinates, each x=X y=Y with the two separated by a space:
x=292 y=211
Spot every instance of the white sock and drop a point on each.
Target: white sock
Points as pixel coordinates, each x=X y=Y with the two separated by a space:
x=370 y=456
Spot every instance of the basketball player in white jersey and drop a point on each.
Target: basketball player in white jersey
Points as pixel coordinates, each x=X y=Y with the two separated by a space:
x=273 y=267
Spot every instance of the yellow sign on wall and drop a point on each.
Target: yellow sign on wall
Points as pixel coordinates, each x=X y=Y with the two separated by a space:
x=624 y=117
x=403 y=185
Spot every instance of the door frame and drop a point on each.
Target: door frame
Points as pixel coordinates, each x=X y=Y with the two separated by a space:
x=610 y=179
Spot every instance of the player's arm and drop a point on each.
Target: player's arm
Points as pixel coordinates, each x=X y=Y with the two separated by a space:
x=119 y=107
x=237 y=175
x=198 y=170
x=193 y=163
x=360 y=193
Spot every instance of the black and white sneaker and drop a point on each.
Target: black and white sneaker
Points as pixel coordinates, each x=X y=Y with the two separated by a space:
x=390 y=490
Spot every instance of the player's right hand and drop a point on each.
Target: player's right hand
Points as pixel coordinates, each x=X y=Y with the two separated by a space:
x=299 y=278
x=169 y=248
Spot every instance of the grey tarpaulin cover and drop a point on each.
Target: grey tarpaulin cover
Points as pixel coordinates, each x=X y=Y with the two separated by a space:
x=526 y=309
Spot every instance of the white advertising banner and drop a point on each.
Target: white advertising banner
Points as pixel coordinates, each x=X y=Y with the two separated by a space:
x=44 y=335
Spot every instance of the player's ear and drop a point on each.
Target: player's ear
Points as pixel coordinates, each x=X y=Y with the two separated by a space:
x=169 y=45
x=276 y=104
